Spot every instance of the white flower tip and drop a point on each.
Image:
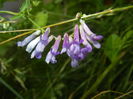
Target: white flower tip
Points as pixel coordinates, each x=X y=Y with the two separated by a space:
x=33 y=54
x=48 y=57
x=28 y=49
x=63 y=50
x=32 y=57
x=47 y=61
x=97 y=45
x=58 y=37
x=37 y=32
x=48 y=29
x=50 y=38
x=19 y=43
x=74 y=63
x=82 y=21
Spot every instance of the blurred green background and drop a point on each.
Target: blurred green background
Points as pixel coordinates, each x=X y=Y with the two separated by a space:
x=108 y=70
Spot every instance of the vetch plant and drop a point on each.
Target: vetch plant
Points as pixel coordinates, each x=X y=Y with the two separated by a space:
x=74 y=43
x=76 y=46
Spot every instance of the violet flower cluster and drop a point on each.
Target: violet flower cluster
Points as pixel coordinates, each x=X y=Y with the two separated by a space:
x=76 y=46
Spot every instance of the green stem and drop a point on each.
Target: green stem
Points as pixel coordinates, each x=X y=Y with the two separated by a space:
x=102 y=76
x=91 y=16
x=9 y=12
x=34 y=22
x=96 y=15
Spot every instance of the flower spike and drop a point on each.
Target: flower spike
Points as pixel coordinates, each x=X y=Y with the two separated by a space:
x=76 y=46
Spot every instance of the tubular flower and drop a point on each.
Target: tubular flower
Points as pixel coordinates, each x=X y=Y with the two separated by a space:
x=90 y=36
x=44 y=40
x=65 y=43
x=75 y=51
x=76 y=46
x=28 y=39
x=37 y=53
x=53 y=52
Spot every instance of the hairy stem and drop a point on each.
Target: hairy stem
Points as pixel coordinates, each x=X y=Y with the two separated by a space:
x=91 y=16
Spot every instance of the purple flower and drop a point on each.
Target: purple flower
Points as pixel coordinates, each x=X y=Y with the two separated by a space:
x=74 y=63
x=28 y=39
x=76 y=46
x=44 y=40
x=88 y=47
x=53 y=52
x=90 y=36
x=38 y=54
x=74 y=49
x=32 y=44
x=65 y=43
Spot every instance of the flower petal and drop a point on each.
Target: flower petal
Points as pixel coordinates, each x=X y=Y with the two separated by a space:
x=32 y=44
x=94 y=42
x=76 y=33
x=74 y=63
x=86 y=28
x=65 y=43
x=28 y=39
x=48 y=57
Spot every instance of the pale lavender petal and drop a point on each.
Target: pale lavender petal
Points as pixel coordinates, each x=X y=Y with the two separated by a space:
x=33 y=54
x=32 y=44
x=86 y=28
x=80 y=56
x=63 y=50
x=70 y=39
x=41 y=46
x=28 y=39
x=44 y=37
x=95 y=43
x=53 y=60
x=85 y=42
x=74 y=63
x=97 y=37
x=56 y=44
x=65 y=43
x=76 y=33
x=38 y=55
x=53 y=52
x=48 y=57
x=19 y=44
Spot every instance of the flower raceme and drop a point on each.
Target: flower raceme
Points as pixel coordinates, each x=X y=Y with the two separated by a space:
x=76 y=46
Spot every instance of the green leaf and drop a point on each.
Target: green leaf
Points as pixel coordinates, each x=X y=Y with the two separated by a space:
x=19 y=76
x=41 y=19
x=25 y=5
x=113 y=46
x=128 y=35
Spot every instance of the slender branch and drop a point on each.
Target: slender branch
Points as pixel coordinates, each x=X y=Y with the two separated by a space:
x=9 y=12
x=95 y=15
x=109 y=91
x=121 y=96
x=13 y=38
x=102 y=76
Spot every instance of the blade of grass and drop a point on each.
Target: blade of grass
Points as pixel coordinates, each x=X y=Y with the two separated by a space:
x=11 y=89
x=101 y=77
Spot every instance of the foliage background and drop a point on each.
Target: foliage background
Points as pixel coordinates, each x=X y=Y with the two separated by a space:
x=108 y=69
